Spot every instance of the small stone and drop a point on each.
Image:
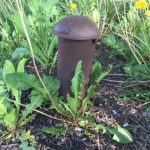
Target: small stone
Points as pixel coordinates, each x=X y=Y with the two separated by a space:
x=133 y=111
x=84 y=139
x=43 y=137
x=114 y=112
x=78 y=129
x=60 y=142
x=37 y=138
x=125 y=125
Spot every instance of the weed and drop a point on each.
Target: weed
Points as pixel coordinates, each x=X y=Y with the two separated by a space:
x=32 y=38
x=9 y=113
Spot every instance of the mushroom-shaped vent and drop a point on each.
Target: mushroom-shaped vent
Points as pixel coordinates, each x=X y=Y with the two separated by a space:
x=77 y=28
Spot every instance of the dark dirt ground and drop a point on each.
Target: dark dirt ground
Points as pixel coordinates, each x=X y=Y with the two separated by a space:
x=106 y=111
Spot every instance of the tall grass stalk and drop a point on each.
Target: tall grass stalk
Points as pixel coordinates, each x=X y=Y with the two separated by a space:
x=34 y=63
x=40 y=112
x=132 y=45
x=125 y=31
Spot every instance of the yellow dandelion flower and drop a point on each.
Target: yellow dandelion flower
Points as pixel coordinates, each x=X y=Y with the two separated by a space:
x=141 y=4
x=148 y=13
x=73 y=6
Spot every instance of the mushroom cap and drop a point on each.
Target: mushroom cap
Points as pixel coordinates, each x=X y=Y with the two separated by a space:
x=77 y=28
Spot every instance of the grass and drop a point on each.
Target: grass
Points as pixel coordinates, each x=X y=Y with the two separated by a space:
x=118 y=30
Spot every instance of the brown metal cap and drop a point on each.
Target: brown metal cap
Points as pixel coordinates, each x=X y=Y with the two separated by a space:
x=77 y=28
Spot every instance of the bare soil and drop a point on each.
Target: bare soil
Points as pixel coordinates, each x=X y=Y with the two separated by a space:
x=132 y=115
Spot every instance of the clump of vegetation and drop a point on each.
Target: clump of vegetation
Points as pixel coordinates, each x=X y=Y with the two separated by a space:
x=26 y=29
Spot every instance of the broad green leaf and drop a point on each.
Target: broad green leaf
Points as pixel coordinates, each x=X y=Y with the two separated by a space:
x=90 y=92
x=53 y=86
x=8 y=68
x=140 y=68
x=96 y=72
x=86 y=101
x=6 y=30
x=49 y=5
x=52 y=45
x=15 y=93
x=66 y=109
x=20 y=67
x=31 y=21
x=121 y=135
x=19 y=26
x=36 y=93
x=77 y=81
x=48 y=130
x=36 y=101
x=132 y=14
x=54 y=60
x=54 y=131
x=109 y=39
x=39 y=52
x=3 y=107
x=2 y=88
x=21 y=52
x=76 y=88
x=51 y=83
x=34 y=6
x=73 y=104
x=49 y=11
x=10 y=119
x=24 y=81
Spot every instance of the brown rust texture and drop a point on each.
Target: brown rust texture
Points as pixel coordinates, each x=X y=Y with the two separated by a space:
x=70 y=53
x=77 y=36
x=77 y=28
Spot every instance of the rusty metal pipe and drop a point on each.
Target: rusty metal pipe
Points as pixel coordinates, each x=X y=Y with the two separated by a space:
x=76 y=41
